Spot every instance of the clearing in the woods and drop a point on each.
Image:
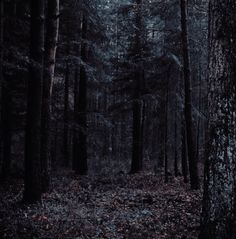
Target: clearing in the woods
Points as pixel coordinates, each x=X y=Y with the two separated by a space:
x=122 y=206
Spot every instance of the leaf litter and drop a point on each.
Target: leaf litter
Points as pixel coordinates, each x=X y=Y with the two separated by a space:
x=138 y=206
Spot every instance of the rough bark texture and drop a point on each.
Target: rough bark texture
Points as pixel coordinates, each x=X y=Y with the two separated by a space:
x=192 y=156
x=32 y=192
x=218 y=217
x=52 y=27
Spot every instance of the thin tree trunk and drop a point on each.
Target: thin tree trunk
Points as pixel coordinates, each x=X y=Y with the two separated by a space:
x=1 y=69
x=192 y=156
x=137 y=149
x=52 y=27
x=199 y=109
x=166 y=130
x=76 y=119
x=136 y=165
x=32 y=191
x=184 y=156
x=66 y=117
x=7 y=128
x=54 y=146
x=6 y=97
x=176 y=169
x=81 y=144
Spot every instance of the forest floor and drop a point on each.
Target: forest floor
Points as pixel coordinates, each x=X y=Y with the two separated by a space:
x=122 y=206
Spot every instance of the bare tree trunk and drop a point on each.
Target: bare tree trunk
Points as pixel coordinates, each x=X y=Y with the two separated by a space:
x=176 y=169
x=52 y=28
x=6 y=107
x=137 y=149
x=7 y=127
x=66 y=117
x=33 y=190
x=166 y=130
x=199 y=118
x=1 y=69
x=192 y=156
x=184 y=152
x=219 y=203
x=81 y=144
x=75 y=126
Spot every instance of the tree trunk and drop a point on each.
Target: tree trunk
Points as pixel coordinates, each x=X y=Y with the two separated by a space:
x=137 y=149
x=184 y=152
x=176 y=169
x=192 y=156
x=6 y=127
x=199 y=118
x=6 y=107
x=66 y=117
x=52 y=27
x=166 y=129
x=75 y=126
x=1 y=69
x=136 y=165
x=219 y=203
x=81 y=166
x=32 y=191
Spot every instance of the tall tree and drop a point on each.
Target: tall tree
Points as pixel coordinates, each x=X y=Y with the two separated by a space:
x=219 y=204
x=6 y=106
x=137 y=148
x=6 y=126
x=192 y=155
x=1 y=66
x=66 y=115
x=80 y=140
x=52 y=27
x=33 y=191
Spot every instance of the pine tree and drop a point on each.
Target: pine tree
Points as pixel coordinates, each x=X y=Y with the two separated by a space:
x=52 y=28
x=192 y=156
x=33 y=190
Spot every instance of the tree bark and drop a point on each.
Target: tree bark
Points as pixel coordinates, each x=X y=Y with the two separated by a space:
x=1 y=69
x=81 y=166
x=219 y=203
x=52 y=27
x=166 y=128
x=137 y=149
x=184 y=156
x=192 y=156
x=176 y=169
x=199 y=118
x=6 y=128
x=32 y=191
x=75 y=128
x=66 y=117
x=6 y=107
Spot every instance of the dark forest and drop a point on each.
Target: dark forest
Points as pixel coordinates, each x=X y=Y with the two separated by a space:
x=118 y=119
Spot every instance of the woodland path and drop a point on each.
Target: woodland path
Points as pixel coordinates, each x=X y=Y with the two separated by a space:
x=121 y=206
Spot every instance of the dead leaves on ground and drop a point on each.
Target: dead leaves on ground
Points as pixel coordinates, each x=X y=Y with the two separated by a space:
x=126 y=206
